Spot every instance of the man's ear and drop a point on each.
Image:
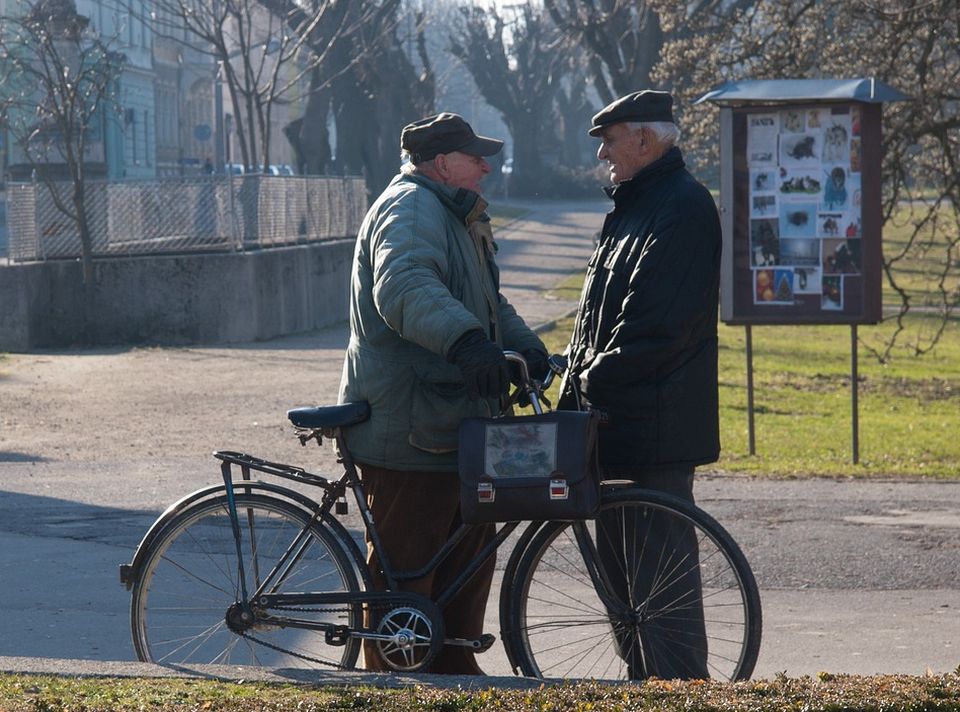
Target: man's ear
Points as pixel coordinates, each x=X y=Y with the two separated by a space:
x=440 y=164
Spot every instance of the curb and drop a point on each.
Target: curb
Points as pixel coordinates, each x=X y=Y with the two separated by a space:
x=240 y=673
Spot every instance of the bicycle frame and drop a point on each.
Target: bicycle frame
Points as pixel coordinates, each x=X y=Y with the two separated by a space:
x=333 y=491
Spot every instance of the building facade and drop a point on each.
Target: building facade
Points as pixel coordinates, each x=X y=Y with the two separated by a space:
x=163 y=122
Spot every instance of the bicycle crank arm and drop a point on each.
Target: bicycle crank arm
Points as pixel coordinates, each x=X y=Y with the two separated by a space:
x=478 y=645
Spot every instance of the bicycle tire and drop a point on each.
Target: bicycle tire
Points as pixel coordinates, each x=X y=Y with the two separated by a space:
x=559 y=627
x=189 y=580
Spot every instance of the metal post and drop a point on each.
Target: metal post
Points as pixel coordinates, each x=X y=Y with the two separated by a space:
x=220 y=139
x=750 y=432
x=854 y=387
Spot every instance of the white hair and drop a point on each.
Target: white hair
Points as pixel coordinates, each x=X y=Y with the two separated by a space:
x=665 y=131
x=408 y=167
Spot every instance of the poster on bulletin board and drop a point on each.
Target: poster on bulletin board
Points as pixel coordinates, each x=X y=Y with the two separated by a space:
x=804 y=215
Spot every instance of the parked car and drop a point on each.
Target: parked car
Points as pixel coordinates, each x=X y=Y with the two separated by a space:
x=279 y=170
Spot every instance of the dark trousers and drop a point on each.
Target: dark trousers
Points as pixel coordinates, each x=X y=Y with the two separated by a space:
x=415 y=514
x=652 y=563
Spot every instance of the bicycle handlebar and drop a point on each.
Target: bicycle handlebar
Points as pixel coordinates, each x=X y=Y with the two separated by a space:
x=532 y=387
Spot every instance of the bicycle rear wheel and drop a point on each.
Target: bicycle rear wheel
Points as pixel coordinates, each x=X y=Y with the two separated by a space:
x=652 y=587
x=189 y=582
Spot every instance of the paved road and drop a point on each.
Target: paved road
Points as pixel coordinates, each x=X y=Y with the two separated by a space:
x=856 y=577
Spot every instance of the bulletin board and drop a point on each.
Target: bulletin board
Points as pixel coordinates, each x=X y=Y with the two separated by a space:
x=800 y=201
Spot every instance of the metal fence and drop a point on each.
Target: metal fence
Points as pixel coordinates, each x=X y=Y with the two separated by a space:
x=180 y=215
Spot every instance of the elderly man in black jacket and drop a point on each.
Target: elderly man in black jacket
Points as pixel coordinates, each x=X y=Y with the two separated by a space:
x=644 y=354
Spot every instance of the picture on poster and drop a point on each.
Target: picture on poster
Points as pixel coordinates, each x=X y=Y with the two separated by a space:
x=854 y=120
x=762 y=139
x=799 y=182
x=853 y=228
x=773 y=286
x=830 y=224
x=854 y=188
x=832 y=293
x=836 y=193
x=762 y=206
x=763 y=181
x=841 y=257
x=815 y=118
x=797 y=219
x=764 y=243
x=836 y=139
x=806 y=280
x=792 y=121
x=800 y=252
x=855 y=154
x=800 y=150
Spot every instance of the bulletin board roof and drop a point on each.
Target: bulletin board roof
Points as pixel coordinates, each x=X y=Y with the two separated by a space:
x=867 y=90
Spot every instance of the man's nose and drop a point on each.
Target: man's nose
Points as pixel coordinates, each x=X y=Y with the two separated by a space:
x=484 y=166
x=602 y=152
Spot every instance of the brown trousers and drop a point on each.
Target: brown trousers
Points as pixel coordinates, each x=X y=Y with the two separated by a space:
x=415 y=514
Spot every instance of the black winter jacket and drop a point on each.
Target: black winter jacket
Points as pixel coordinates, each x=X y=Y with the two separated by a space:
x=644 y=347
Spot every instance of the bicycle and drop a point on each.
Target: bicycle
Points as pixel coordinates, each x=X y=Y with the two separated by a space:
x=255 y=572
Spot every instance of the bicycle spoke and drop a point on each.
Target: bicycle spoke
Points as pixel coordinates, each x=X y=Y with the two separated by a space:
x=189 y=586
x=684 y=612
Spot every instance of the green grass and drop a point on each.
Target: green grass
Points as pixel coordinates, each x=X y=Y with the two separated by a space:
x=909 y=409
x=31 y=693
x=919 y=269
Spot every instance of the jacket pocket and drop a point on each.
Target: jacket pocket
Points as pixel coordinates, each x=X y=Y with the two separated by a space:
x=438 y=405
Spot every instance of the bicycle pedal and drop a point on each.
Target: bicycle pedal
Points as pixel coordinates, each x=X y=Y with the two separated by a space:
x=337 y=635
x=479 y=645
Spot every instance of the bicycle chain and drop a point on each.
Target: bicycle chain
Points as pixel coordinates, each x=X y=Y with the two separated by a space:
x=304 y=656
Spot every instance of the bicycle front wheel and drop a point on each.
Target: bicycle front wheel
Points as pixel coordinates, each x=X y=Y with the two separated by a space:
x=187 y=596
x=652 y=587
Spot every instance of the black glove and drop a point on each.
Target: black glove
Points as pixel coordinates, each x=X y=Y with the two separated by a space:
x=537 y=369
x=482 y=364
x=537 y=365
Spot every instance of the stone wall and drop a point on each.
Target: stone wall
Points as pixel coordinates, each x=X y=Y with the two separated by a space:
x=168 y=300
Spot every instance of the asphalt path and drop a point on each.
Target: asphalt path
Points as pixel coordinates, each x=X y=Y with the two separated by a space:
x=856 y=576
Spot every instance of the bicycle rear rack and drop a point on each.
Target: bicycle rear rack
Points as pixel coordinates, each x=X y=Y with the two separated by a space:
x=249 y=462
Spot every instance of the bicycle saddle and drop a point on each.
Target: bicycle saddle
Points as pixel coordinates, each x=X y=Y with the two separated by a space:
x=330 y=416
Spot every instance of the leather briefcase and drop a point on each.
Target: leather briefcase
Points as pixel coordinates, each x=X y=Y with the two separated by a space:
x=537 y=467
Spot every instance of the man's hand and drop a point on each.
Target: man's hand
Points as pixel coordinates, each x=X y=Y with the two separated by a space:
x=537 y=364
x=482 y=364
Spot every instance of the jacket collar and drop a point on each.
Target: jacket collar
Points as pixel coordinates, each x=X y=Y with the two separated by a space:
x=669 y=162
x=466 y=205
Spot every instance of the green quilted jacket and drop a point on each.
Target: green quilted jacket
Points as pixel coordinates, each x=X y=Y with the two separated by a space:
x=420 y=280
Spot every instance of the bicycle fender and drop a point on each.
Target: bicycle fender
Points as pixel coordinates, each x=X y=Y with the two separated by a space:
x=130 y=572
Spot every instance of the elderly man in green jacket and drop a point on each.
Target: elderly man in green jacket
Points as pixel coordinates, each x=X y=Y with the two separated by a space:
x=427 y=329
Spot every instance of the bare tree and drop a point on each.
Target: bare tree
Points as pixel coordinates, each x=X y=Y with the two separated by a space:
x=371 y=87
x=912 y=44
x=57 y=87
x=622 y=38
x=266 y=53
x=520 y=77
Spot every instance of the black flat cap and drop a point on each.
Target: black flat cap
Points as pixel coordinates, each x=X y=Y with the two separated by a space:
x=646 y=105
x=445 y=133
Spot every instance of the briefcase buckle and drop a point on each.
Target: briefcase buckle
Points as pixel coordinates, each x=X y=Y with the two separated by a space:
x=559 y=489
x=486 y=493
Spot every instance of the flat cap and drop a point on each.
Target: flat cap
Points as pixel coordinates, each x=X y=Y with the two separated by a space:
x=444 y=133
x=646 y=105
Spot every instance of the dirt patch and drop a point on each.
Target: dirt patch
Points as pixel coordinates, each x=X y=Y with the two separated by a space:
x=127 y=403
